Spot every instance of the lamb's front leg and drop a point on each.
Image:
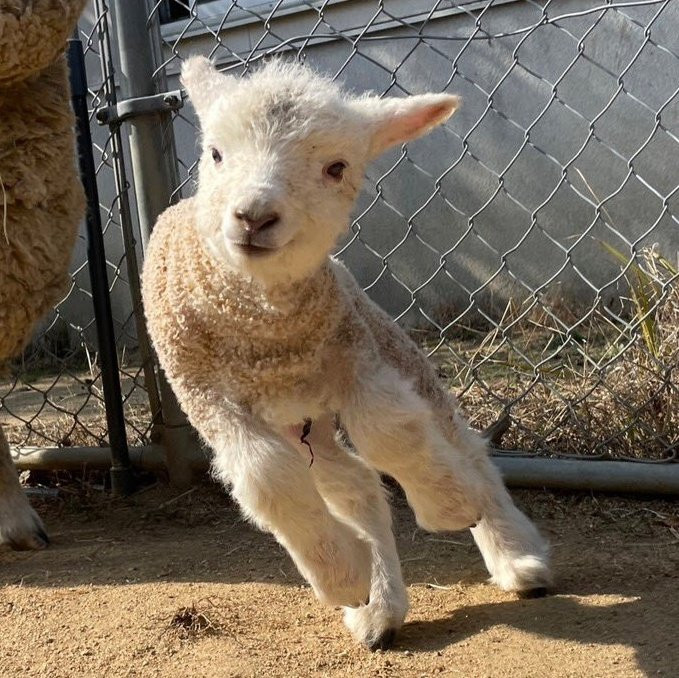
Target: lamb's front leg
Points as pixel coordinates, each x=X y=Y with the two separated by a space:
x=447 y=476
x=354 y=493
x=20 y=526
x=273 y=485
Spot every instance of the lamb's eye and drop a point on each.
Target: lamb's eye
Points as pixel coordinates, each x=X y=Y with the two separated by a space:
x=216 y=156
x=335 y=170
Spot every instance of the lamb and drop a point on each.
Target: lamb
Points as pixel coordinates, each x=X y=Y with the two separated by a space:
x=268 y=341
x=41 y=201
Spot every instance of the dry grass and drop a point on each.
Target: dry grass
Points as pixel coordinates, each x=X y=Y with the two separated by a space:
x=206 y=617
x=602 y=389
x=82 y=430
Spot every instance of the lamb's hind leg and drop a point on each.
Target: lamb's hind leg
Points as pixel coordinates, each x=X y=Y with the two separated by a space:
x=448 y=478
x=20 y=526
x=354 y=493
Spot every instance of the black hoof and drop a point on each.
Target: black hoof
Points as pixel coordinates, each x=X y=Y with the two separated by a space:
x=384 y=641
x=538 y=592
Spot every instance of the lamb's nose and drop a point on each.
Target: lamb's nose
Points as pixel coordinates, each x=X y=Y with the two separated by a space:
x=252 y=223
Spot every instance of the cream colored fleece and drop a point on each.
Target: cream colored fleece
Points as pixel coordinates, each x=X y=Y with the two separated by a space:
x=218 y=335
x=42 y=198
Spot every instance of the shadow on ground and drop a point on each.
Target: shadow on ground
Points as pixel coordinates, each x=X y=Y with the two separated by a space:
x=617 y=562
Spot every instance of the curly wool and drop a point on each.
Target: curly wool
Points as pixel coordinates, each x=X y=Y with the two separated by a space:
x=42 y=199
x=284 y=344
x=206 y=320
x=256 y=344
x=33 y=34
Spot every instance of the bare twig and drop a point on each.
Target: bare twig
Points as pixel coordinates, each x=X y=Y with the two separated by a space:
x=177 y=498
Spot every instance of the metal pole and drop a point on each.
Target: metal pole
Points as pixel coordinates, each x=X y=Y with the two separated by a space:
x=154 y=169
x=581 y=474
x=150 y=135
x=122 y=481
x=146 y=458
x=619 y=477
x=129 y=240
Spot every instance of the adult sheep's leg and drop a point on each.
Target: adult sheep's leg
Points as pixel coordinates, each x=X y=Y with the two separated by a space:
x=353 y=492
x=448 y=478
x=20 y=526
x=274 y=488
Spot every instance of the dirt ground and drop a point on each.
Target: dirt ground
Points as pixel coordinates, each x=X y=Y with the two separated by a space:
x=110 y=597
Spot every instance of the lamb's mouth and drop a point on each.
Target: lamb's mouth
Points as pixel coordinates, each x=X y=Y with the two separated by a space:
x=252 y=250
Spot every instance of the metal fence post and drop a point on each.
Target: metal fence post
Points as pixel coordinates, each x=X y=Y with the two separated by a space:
x=154 y=170
x=122 y=480
x=129 y=237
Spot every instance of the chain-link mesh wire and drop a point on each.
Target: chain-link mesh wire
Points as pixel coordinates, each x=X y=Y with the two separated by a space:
x=51 y=396
x=531 y=244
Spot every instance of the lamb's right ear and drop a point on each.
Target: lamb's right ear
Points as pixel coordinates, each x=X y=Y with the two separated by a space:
x=203 y=82
x=397 y=120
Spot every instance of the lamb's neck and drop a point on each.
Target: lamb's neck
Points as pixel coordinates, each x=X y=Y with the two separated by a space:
x=244 y=305
x=288 y=297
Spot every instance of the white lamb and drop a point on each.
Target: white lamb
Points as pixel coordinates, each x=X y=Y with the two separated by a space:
x=263 y=335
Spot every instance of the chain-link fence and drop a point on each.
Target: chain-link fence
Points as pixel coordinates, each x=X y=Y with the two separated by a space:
x=530 y=244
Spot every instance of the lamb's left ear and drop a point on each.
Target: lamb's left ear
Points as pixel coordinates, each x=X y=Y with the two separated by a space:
x=203 y=82
x=395 y=121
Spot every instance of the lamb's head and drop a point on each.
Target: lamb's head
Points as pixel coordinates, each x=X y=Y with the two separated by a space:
x=283 y=157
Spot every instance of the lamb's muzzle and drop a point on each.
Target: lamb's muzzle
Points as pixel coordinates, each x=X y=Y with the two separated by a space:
x=252 y=223
x=256 y=346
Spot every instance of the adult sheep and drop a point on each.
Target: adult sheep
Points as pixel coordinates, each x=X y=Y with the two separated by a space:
x=41 y=201
x=266 y=340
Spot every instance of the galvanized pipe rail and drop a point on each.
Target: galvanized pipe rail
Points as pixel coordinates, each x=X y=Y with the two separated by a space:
x=618 y=477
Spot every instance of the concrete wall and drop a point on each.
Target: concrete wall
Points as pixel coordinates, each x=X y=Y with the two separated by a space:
x=445 y=196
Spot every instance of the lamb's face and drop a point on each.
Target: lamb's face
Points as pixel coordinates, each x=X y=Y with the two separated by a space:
x=283 y=158
x=279 y=174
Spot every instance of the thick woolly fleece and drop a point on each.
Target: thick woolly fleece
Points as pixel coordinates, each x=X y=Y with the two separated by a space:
x=231 y=350
x=33 y=34
x=41 y=201
x=307 y=342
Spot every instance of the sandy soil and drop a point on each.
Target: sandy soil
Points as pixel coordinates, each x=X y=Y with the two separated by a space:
x=102 y=600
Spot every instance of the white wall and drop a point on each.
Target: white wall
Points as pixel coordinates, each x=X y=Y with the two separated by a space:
x=487 y=227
